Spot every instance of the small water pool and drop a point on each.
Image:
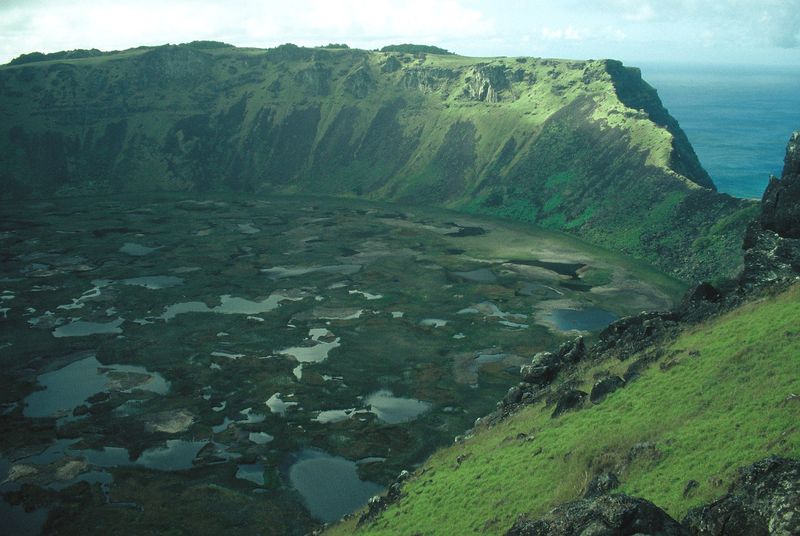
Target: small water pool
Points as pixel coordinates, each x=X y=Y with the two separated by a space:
x=81 y=328
x=70 y=386
x=329 y=485
x=394 y=409
x=588 y=319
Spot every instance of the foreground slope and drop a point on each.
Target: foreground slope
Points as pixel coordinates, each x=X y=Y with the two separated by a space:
x=581 y=146
x=720 y=397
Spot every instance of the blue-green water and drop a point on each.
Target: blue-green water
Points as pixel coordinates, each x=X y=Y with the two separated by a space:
x=329 y=485
x=738 y=118
x=588 y=319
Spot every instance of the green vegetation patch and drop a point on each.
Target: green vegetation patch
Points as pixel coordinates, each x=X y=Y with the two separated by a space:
x=559 y=179
x=718 y=399
x=513 y=208
x=409 y=48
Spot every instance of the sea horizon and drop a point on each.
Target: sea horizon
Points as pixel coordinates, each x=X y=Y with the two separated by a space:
x=738 y=118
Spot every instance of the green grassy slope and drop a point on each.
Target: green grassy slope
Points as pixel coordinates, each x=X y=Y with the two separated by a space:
x=718 y=399
x=584 y=147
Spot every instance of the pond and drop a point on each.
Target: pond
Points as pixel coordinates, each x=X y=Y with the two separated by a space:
x=587 y=319
x=81 y=328
x=329 y=485
x=230 y=305
x=394 y=409
x=68 y=387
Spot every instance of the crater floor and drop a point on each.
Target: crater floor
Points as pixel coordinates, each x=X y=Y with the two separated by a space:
x=166 y=362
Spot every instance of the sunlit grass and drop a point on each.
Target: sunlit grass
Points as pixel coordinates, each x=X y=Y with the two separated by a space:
x=724 y=403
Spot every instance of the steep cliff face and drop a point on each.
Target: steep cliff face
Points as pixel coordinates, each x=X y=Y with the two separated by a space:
x=585 y=147
x=772 y=243
x=781 y=202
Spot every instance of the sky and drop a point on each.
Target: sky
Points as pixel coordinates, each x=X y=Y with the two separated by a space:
x=735 y=32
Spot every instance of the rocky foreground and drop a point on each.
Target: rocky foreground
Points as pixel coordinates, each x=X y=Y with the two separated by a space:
x=764 y=500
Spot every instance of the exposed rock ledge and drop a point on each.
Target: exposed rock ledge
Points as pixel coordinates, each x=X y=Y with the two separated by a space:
x=763 y=501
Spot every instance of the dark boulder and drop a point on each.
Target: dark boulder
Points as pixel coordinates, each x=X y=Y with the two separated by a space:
x=514 y=396
x=542 y=369
x=570 y=400
x=378 y=503
x=601 y=485
x=572 y=351
x=768 y=258
x=605 y=387
x=544 y=366
x=763 y=500
x=631 y=334
x=704 y=292
x=700 y=302
x=731 y=517
x=607 y=515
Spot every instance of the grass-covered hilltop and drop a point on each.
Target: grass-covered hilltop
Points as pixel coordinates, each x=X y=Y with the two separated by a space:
x=580 y=146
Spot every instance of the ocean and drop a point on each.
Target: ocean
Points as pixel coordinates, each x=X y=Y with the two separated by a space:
x=737 y=118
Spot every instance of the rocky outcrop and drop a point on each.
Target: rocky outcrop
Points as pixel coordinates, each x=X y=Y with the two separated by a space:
x=769 y=258
x=359 y=83
x=315 y=79
x=540 y=378
x=606 y=515
x=486 y=82
x=772 y=244
x=601 y=485
x=428 y=80
x=781 y=200
x=545 y=365
x=569 y=400
x=764 y=500
x=605 y=387
x=379 y=503
x=537 y=377
x=632 y=334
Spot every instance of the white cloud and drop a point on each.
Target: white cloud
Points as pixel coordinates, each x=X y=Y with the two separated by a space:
x=781 y=24
x=52 y=25
x=639 y=12
x=567 y=33
x=765 y=29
